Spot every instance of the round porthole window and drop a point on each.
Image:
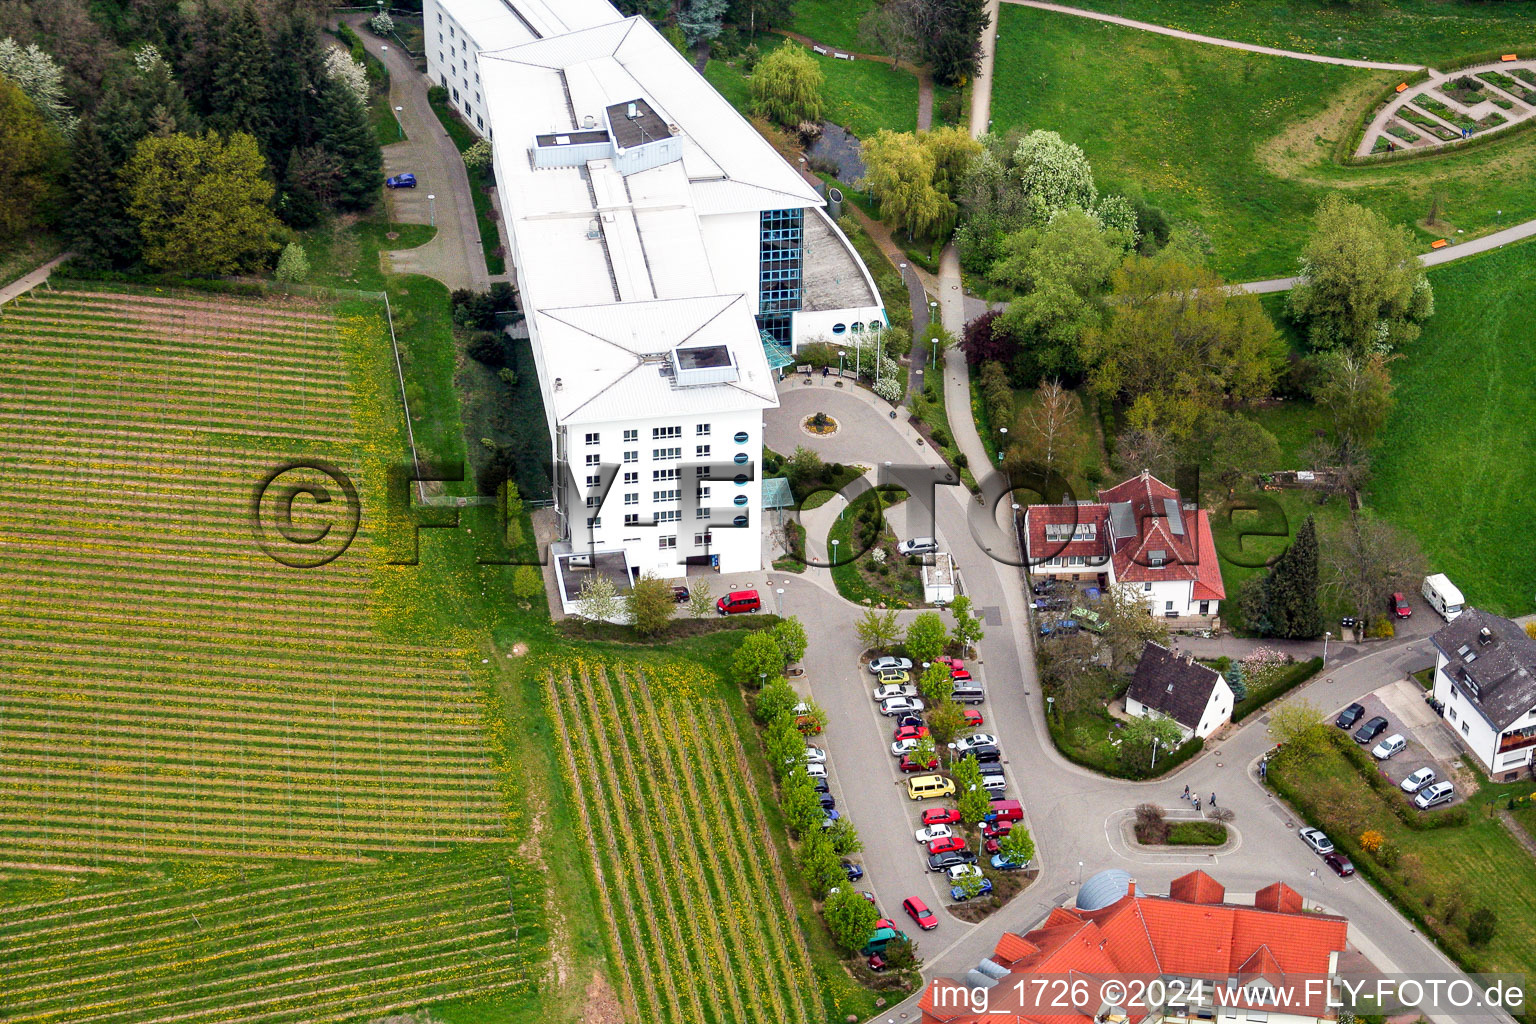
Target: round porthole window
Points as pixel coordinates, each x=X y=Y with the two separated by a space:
x=740 y=520
x=876 y=325
x=741 y=437
x=741 y=458
x=839 y=328
x=858 y=328
x=741 y=479
x=741 y=499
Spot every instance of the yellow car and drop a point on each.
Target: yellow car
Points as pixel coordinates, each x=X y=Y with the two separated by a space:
x=924 y=787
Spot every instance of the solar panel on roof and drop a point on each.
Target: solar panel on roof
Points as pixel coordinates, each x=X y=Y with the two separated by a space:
x=1175 y=517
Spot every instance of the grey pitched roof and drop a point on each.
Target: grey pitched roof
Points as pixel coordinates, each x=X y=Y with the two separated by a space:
x=1493 y=661
x=1165 y=682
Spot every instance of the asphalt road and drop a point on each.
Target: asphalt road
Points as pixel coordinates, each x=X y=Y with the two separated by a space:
x=1073 y=814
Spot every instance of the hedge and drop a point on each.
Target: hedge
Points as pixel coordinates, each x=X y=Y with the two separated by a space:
x=1288 y=679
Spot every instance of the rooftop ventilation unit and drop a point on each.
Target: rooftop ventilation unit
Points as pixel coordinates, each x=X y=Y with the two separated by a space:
x=632 y=112
x=594 y=230
x=589 y=122
x=1485 y=635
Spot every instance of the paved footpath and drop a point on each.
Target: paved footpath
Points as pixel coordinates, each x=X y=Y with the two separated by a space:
x=27 y=282
x=1230 y=44
x=454 y=255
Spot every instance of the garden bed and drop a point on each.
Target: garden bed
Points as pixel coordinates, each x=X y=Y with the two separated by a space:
x=1005 y=886
x=1456 y=117
x=1402 y=131
x=1519 y=90
x=869 y=571
x=1428 y=123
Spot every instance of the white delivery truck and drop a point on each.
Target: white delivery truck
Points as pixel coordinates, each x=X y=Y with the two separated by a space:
x=1442 y=596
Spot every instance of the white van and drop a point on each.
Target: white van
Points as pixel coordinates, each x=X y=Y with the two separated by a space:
x=1430 y=796
x=1442 y=596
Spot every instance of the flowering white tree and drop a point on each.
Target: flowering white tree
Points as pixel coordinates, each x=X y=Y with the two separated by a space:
x=1055 y=174
x=41 y=78
x=381 y=24
x=888 y=388
x=340 y=66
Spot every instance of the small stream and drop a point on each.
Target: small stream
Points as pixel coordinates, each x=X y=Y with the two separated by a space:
x=839 y=146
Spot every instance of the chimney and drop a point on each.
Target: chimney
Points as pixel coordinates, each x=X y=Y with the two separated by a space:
x=557 y=384
x=1189 y=657
x=1130 y=887
x=1485 y=635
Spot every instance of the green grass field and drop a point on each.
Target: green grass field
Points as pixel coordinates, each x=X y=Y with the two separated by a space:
x=831 y=22
x=863 y=96
x=1400 y=32
x=1237 y=143
x=1453 y=464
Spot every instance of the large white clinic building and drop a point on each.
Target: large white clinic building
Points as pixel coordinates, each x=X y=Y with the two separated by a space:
x=665 y=256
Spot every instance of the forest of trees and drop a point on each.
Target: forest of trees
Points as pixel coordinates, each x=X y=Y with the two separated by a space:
x=125 y=123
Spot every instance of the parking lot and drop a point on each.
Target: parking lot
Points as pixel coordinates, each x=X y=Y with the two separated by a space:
x=1430 y=744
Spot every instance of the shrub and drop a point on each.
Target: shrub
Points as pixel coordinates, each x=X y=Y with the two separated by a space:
x=437 y=94
x=478 y=156
x=1481 y=926
x=381 y=24
x=488 y=347
x=293 y=264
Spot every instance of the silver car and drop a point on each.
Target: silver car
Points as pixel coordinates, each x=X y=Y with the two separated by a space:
x=1418 y=780
x=1313 y=837
x=901 y=706
x=885 y=691
x=886 y=661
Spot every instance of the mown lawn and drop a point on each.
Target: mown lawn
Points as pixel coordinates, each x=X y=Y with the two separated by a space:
x=1256 y=528
x=1236 y=143
x=831 y=22
x=1400 y=32
x=861 y=95
x=1454 y=463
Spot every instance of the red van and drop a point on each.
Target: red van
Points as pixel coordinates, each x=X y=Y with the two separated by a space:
x=1006 y=810
x=741 y=601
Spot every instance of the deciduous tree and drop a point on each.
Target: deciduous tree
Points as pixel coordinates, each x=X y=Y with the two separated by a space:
x=527 y=584
x=786 y=86
x=845 y=838
x=850 y=918
x=818 y=863
x=926 y=637
x=790 y=636
x=878 y=630
x=1362 y=285
x=945 y=722
x=650 y=605
x=1299 y=725
x=30 y=152
x=1144 y=738
x=1055 y=175
x=1128 y=626
x=936 y=684
x=758 y=659
x=776 y=697
x=969 y=630
x=41 y=78
x=1236 y=447
x=1356 y=389
x=974 y=799
x=785 y=744
x=597 y=600
x=971 y=883
x=1017 y=846
x=802 y=807
x=293 y=264
x=901 y=173
x=1049 y=428
x=1365 y=559
x=701 y=602
x=1178 y=343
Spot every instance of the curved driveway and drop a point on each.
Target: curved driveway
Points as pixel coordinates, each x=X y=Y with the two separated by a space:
x=1073 y=813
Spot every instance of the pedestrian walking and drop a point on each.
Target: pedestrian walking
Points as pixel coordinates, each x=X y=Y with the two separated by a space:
x=1197 y=803
x=1186 y=792
x=1213 y=799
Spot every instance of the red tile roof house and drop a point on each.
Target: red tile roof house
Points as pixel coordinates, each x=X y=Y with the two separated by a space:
x=1270 y=948
x=1140 y=535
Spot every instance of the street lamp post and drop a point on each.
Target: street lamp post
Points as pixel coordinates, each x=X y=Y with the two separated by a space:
x=431 y=210
x=834 y=550
x=840 y=354
x=935 y=352
x=1002 y=445
x=1154 y=753
x=399 y=129
x=1326 y=638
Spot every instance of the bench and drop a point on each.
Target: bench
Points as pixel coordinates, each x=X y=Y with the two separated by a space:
x=819 y=49
x=1508 y=56
x=843 y=56
x=1438 y=243
x=1403 y=86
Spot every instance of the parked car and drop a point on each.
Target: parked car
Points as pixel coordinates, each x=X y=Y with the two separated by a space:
x=1005 y=810
x=951 y=859
x=993 y=784
x=680 y=594
x=828 y=818
x=1002 y=863
x=1400 y=606
x=893 y=675
x=1394 y=744
x=878 y=963
x=816 y=770
x=989 y=770
x=885 y=691
x=1433 y=795
x=941 y=816
x=927 y=787
x=1314 y=838
x=886 y=661
x=819 y=784
x=815 y=755
x=957 y=669
x=915 y=721
x=917 y=546
x=853 y=870
x=828 y=802
x=911 y=732
x=1349 y=716
x=901 y=748
x=959 y=896
x=938 y=830
x=1340 y=864
x=995 y=829
x=986 y=753
x=946 y=845
x=962 y=871
x=739 y=602
x=918 y=911
x=975 y=739
x=406 y=180
x=907 y=766
x=973 y=718
x=901 y=706
x=1061 y=628
x=1370 y=730
x=1418 y=780
x=1050 y=604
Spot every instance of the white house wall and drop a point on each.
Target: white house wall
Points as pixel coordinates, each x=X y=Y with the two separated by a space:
x=1465 y=719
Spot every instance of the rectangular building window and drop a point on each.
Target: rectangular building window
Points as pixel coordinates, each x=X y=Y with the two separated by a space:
x=479 y=120
x=664 y=495
x=632 y=519
x=668 y=516
x=631 y=456
x=593 y=522
x=440 y=39
x=594 y=500
x=631 y=497
x=663 y=474
x=666 y=543
x=701 y=539
x=702 y=430
x=664 y=454
x=702 y=492
x=631 y=435
x=631 y=478
x=594 y=459
x=701 y=451
x=665 y=433
x=450 y=30
x=702 y=513
x=594 y=480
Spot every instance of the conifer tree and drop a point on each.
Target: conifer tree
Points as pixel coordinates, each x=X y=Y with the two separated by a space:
x=1291 y=588
x=96 y=222
x=241 y=61
x=348 y=137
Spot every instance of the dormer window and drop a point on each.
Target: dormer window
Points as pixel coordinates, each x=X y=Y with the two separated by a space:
x=1156 y=559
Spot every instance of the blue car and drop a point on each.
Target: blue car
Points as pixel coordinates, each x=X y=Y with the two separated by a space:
x=958 y=894
x=1058 y=628
x=1002 y=863
x=401 y=181
x=853 y=870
